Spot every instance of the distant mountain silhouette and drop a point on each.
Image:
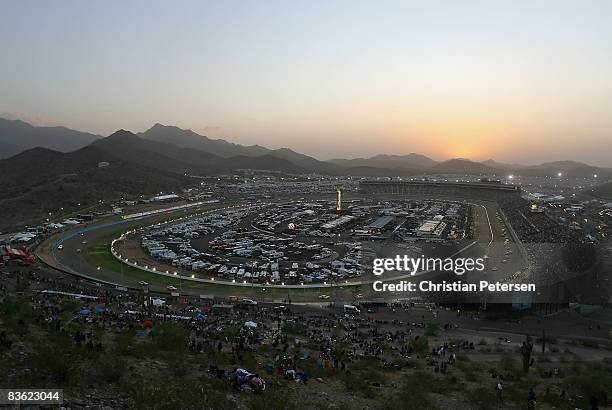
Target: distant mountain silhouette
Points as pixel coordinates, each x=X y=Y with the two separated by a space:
x=462 y=166
x=129 y=147
x=176 y=150
x=409 y=161
x=559 y=165
x=501 y=165
x=17 y=136
x=168 y=157
x=189 y=139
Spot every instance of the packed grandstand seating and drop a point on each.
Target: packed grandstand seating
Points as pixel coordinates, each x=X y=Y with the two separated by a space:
x=530 y=227
x=478 y=190
x=535 y=227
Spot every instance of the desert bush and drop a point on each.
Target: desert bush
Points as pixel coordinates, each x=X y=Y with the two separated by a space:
x=169 y=336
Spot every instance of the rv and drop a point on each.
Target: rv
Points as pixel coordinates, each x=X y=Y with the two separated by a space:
x=351 y=310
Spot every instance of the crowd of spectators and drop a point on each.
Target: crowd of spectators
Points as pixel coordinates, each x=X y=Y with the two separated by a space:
x=536 y=227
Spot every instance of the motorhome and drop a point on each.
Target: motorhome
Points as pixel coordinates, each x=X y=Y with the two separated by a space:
x=352 y=309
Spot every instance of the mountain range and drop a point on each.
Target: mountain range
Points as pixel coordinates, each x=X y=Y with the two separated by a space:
x=189 y=139
x=410 y=161
x=17 y=136
x=64 y=165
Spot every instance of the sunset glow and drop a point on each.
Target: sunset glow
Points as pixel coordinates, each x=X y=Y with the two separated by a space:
x=522 y=83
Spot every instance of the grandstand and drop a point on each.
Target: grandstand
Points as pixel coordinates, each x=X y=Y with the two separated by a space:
x=489 y=190
x=536 y=227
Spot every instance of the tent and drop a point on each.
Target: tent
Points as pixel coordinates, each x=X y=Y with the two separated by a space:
x=99 y=310
x=250 y=325
x=157 y=302
x=201 y=317
x=85 y=312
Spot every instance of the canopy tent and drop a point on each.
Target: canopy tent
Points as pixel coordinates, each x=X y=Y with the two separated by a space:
x=250 y=324
x=158 y=302
x=155 y=302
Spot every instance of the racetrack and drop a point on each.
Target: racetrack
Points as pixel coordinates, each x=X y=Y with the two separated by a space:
x=86 y=252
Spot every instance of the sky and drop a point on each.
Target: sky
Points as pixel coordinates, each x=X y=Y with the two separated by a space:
x=517 y=81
